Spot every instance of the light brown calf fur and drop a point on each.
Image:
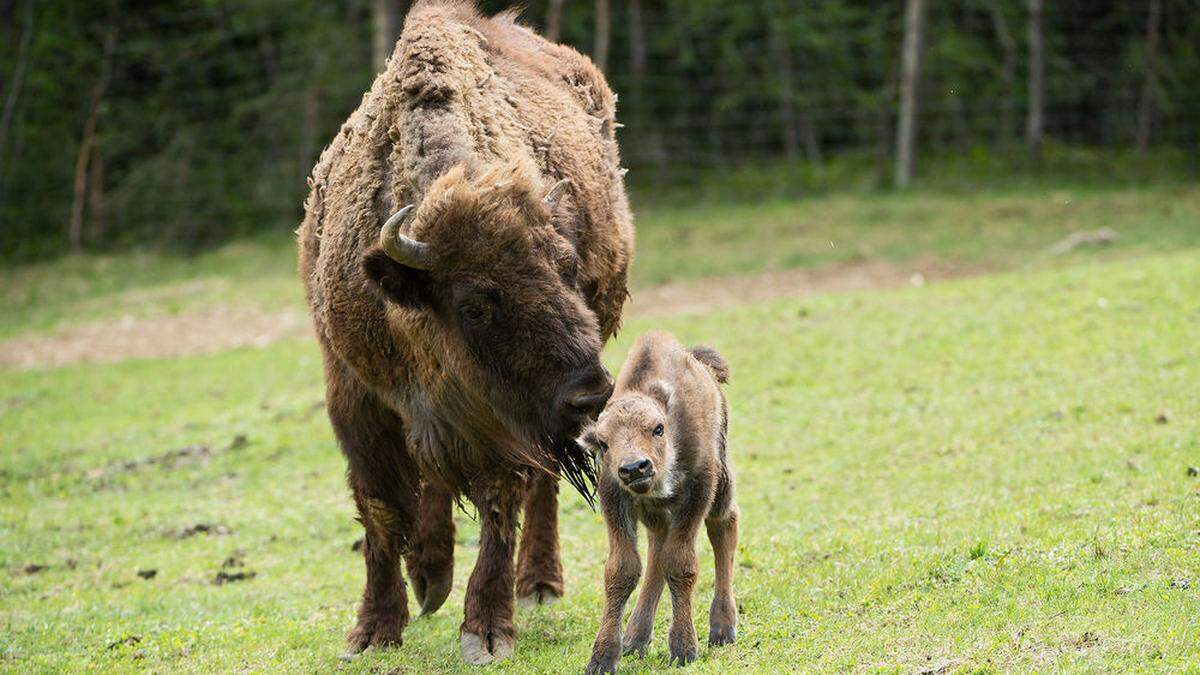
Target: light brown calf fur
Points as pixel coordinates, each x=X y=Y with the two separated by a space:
x=660 y=444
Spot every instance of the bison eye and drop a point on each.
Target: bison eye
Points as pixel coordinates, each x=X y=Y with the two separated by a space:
x=658 y=430
x=475 y=315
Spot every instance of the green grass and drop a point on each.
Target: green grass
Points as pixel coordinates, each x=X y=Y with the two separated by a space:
x=1005 y=227
x=969 y=473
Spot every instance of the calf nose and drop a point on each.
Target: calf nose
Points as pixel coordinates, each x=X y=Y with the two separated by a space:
x=638 y=468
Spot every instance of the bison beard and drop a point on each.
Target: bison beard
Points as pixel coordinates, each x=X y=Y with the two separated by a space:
x=461 y=352
x=576 y=464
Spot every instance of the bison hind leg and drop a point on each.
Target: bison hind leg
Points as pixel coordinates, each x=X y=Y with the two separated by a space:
x=430 y=560
x=539 y=566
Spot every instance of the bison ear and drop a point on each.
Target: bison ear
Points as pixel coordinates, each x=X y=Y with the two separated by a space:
x=661 y=391
x=401 y=284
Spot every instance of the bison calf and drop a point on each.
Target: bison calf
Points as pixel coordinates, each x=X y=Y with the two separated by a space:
x=660 y=445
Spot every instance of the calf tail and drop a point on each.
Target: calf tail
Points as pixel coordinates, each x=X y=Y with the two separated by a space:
x=713 y=359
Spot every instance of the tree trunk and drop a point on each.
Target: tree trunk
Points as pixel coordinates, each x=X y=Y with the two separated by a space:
x=1008 y=73
x=600 y=51
x=883 y=125
x=310 y=122
x=647 y=123
x=781 y=54
x=385 y=19
x=637 y=40
x=910 y=81
x=1037 y=72
x=554 y=20
x=88 y=140
x=97 y=214
x=808 y=136
x=17 y=81
x=1149 y=84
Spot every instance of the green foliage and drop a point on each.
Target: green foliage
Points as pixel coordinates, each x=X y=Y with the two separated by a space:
x=214 y=116
x=216 y=110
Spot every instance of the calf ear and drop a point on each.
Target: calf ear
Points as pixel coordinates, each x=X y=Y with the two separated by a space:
x=662 y=392
x=399 y=283
x=589 y=440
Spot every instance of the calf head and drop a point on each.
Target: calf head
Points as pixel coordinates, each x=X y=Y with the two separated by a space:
x=480 y=259
x=632 y=444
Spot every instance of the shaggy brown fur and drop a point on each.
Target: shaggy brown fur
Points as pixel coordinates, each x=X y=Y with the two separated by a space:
x=466 y=378
x=661 y=447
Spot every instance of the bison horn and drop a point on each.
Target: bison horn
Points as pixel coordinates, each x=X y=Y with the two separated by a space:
x=550 y=201
x=402 y=249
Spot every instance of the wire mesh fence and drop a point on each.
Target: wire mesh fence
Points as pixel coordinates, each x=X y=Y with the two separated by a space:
x=193 y=122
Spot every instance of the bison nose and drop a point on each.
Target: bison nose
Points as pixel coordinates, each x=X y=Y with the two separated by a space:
x=589 y=404
x=635 y=470
x=590 y=394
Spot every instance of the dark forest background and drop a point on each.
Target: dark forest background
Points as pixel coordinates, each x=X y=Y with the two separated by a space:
x=185 y=123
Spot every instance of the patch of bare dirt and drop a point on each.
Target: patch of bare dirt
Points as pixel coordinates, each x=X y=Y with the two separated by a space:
x=704 y=295
x=204 y=332
x=222 y=327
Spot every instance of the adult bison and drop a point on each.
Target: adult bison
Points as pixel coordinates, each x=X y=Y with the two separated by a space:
x=464 y=251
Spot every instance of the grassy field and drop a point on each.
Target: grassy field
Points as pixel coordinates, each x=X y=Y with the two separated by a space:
x=1007 y=227
x=982 y=475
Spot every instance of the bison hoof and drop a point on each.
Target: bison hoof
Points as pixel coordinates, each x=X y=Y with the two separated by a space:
x=721 y=635
x=480 y=651
x=380 y=632
x=541 y=595
x=434 y=594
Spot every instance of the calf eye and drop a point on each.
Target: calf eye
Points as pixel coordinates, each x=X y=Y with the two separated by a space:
x=658 y=430
x=602 y=446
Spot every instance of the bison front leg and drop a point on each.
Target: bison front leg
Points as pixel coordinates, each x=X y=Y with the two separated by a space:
x=384 y=481
x=430 y=560
x=383 y=613
x=539 y=568
x=487 y=633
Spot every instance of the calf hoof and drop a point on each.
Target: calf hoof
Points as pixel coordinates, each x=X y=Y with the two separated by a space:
x=683 y=652
x=721 y=635
x=602 y=663
x=637 y=641
x=541 y=594
x=479 y=650
x=378 y=630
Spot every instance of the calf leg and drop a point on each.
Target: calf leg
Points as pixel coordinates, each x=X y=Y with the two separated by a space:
x=384 y=481
x=430 y=561
x=679 y=558
x=722 y=616
x=640 y=629
x=539 y=569
x=621 y=572
x=487 y=633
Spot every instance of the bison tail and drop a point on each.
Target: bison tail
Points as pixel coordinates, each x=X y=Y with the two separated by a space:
x=713 y=359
